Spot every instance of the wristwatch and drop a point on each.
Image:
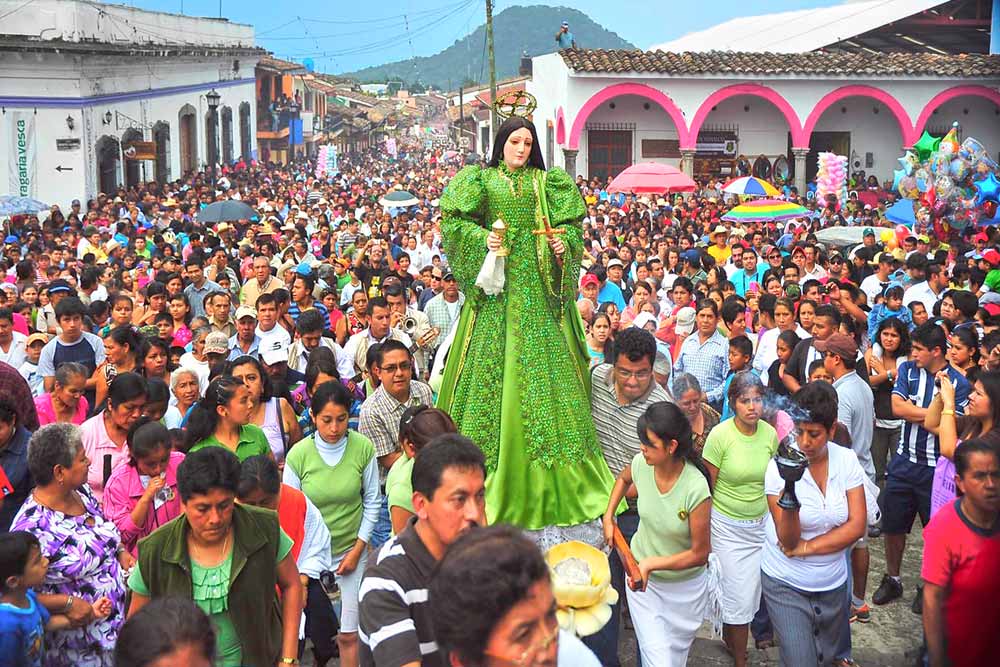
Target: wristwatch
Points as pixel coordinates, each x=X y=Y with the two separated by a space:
x=69 y=604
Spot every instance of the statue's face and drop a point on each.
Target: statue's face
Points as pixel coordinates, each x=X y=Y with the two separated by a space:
x=517 y=149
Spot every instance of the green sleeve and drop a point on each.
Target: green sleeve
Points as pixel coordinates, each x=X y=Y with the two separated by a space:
x=697 y=491
x=463 y=227
x=566 y=209
x=259 y=439
x=136 y=583
x=992 y=280
x=285 y=545
x=714 y=448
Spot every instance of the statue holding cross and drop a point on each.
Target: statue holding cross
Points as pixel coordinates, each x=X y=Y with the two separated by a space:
x=517 y=379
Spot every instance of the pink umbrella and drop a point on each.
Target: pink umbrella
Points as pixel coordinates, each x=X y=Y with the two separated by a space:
x=652 y=178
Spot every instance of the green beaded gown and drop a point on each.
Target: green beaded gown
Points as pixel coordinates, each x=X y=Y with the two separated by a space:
x=516 y=379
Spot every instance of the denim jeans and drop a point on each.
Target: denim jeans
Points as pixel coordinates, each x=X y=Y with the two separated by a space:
x=604 y=643
x=383 y=529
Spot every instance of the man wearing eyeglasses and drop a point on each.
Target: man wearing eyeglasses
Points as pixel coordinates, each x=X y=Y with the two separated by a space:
x=620 y=393
x=380 y=414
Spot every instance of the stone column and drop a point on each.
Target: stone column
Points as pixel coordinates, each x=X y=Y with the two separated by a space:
x=800 y=169
x=569 y=158
x=687 y=161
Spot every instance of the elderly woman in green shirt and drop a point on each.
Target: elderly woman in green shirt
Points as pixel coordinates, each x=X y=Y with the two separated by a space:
x=222 y=419
x=230 y=559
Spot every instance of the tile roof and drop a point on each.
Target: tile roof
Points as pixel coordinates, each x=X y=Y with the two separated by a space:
x=841 y=64
x=279 y=65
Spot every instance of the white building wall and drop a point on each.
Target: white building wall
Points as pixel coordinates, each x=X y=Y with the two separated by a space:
x=136 y=91
x=764 y=129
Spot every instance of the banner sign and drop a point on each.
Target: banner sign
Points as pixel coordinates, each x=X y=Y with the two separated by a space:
x=23 y=154
x=390 y=146
x=141 y=150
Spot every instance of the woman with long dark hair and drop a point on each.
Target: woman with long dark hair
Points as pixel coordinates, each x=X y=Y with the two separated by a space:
x=891 y=351
x=980 y=421
x=673 y=539
x=273 y=414
x=105 y=434
x=121 y=345
x=222 y=419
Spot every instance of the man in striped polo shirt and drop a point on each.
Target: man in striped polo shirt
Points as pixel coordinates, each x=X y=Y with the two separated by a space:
x=449 y=498
x=910 y=473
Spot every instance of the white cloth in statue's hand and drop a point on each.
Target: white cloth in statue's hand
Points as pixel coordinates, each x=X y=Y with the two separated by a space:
x=491 y=276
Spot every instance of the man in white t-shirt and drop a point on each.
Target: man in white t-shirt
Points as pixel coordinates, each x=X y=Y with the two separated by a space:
x=272 y=335
x=875 y=284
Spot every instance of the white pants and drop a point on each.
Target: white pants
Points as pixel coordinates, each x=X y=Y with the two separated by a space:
x=738 y=544
x=350 y=586
x=666 y=617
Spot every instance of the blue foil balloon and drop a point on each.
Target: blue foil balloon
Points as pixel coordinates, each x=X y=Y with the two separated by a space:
x=897 y=176
x=987 y=189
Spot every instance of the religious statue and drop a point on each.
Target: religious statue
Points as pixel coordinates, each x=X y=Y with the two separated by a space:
x=516 y=379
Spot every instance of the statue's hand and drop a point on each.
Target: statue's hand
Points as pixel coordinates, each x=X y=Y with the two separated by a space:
x=493 y=242
x=558 y=247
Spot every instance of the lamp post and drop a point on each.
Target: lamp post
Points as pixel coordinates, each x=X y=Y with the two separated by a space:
x=213 y=98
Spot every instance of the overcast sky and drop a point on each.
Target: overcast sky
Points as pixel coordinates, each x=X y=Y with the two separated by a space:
x=341 y=36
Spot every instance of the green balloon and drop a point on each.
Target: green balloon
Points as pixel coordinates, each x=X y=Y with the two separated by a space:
x=926 y=145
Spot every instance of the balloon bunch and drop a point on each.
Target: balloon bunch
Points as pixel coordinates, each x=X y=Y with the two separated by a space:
x=831 y=178
x=955 y=184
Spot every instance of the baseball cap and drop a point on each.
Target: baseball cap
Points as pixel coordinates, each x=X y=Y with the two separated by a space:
x=685 y=320
x=923 y=238
x=992 y=256
x=35 y=338
x=615 y=262
x=217 y=342
x=60 y=285
x=992 y=308
x=448 y=275
x=692 y=256
x=246 y=311
x=882 y=257
x=840 y=344
x=589 y=279
x=277 y=354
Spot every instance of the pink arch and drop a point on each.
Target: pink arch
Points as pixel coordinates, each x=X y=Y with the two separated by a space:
x=560 y=126
x=756 y=90
x=617 y=90
x=944 y=96
x=902 y=118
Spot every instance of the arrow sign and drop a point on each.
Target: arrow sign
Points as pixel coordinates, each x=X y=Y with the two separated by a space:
x=61 y=168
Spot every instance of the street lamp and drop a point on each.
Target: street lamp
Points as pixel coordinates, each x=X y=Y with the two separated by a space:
x=213 y=98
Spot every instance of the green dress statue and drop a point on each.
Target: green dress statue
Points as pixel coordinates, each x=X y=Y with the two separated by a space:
x=517 y=380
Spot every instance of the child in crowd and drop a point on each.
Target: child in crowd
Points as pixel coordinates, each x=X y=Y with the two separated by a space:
x=740 y=354
x=29 y=368
x=891 y=306
x=23 y=620
x=164 y=323
x=817 y=372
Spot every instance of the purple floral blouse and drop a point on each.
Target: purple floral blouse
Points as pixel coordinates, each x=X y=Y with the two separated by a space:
x=81 y=552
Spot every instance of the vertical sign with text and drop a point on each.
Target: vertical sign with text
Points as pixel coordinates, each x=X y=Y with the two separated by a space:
x=23 y=154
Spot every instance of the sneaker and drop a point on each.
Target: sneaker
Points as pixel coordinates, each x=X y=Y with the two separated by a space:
x=862 y=614
x=917 y=607
x=888 y=590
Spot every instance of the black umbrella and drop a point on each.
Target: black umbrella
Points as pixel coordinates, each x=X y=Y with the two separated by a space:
x=226 y=211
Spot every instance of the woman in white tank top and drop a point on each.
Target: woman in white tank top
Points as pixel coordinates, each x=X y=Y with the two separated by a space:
x=274 y=415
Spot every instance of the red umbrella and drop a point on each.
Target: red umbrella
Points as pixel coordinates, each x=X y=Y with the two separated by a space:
x=652 y=178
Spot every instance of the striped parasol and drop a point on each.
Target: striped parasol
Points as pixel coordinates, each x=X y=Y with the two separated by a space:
x=750 y=186
x=766 y=210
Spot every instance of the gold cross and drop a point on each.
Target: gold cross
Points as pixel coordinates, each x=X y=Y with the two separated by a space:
x=549 y=230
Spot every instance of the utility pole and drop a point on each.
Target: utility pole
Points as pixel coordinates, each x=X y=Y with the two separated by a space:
x=494 y=121
x=461 y=117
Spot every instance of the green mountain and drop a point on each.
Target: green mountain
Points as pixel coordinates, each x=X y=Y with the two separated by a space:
x=515 y=30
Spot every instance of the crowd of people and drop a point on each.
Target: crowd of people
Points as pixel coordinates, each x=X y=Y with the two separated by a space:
x=212 y=431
